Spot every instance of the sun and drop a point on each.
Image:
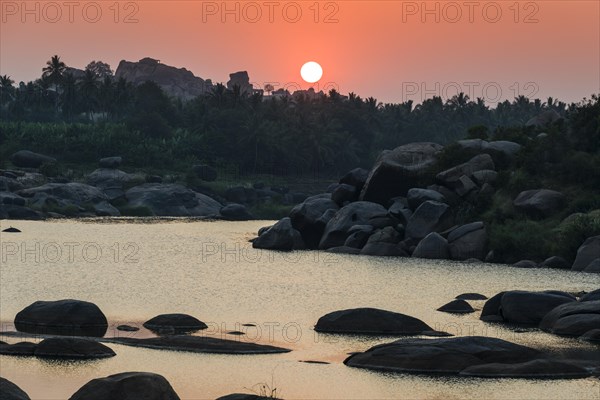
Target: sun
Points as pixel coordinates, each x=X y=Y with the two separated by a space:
x=311 y=72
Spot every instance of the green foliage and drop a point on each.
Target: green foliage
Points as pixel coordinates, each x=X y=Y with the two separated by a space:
x=478 y=132
x=270 y=210
x=571 y=234
x=515 y=240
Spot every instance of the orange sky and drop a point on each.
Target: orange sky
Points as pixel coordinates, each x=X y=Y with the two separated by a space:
x=376 y=48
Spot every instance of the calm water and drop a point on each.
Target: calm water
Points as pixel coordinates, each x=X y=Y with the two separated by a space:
x=134 y=271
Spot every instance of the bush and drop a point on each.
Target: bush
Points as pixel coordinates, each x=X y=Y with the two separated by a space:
x=520 y=239
x=570 y=235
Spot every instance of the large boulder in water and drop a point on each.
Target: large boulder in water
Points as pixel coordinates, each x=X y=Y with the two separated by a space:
x=174 y=323
x=371 y=321
x=440 y=356
x=172 y=200
x=281 y=236
x=431 y=216
x=62 y=317
x=311 y=216
x=359 y=213
x=29 y=159
x=127 y=386
x=523 y=307
x=572 y=319
x=539 y=203
x=398 y=170
x=10 y=391
x=468 y=241
x=432 y=246
x=587 y=253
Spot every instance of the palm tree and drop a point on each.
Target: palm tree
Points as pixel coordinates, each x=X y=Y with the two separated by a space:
x=89 y=89
x=6 y=88
x=53 y=71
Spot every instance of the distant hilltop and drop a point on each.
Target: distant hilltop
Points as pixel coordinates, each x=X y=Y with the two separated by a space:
x=176 y=82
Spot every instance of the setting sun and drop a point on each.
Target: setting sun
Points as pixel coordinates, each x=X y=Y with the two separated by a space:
x=311 y=72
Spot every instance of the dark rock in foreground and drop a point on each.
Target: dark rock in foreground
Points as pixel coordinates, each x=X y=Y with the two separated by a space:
x=535 y=369
x=587 y=253
x=371 y=321
x=440 y=356
x=172 y=200
x=245 y=396
x=174 y=323
x=127 y=328
x=236 y=212
x=281 y=236
x=62 y=317
x=591 y=296
x=127 y=386
x=25 y=349
x=457 y=307
x=11 y=230
x=471 y=296
x=10 y=391
x=522 y=307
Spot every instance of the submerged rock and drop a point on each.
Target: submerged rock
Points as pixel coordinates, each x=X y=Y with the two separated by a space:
x=457 y=307
x=534 y=369
x=471 y=296
x=127 y=386
x=62 y=317
x=72 y=348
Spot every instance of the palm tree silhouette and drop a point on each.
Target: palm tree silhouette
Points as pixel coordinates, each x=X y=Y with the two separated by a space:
x=53 y=71
x=6 y=88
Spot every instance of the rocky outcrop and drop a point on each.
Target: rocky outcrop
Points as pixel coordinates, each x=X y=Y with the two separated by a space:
x=176 y=82
x=431 y=216
x=126 y=386
x=358 y=213
x=468 y=241
x=281 y=236
x=62 y=317
x=415 y=197
x=587 y=253
x=544 y=118
x=504 y=147
x=452 y=177
x=371 y=321
x=172 y=200
x=539 y=203
x=398 y=170
x=311 y=216
x=29 y=159
x=242 y=80
x=174 y=323
x=432 y=246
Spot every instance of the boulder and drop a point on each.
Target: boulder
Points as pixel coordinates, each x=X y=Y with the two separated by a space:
x=485 y=176
x=471 y=296
x=358 y=213
x=62 y=317
x=591 y=296
x=594 y=266
x=31 y=179
x=534 y=369
x=10 y=184
x=11 y=198
x=572 y=319
x=29 y=159
x=457 y=307
x=463 y=186
x=172 y=200
x=206 y=173
x=478 y=163
x=24 y=349
x=415 y=197
x=357 y=178
x=10 y=391
x=555 y=262
x=383 y=249
x=508 y=149
x=591 y=336
x=468 y=241
x=522 y=307
x=432 y=246
x=539 y=203
x=440 y=356
x=358 y=237
x=281 y=236
x=72 y=348
x=127 y=386
x=235 y=212
x=344 y=193
x=241 y=195
x=177 y=323
x=400 y=211
x=311 y=217
x=110 y=162
x=544 y=118
x=127 y=328
x=343 y=250
x=398 y=170
x=525 y=264
x=11 y=211
x=587 y=253
x=110 y=178
x=370 y=321
x=431 y=216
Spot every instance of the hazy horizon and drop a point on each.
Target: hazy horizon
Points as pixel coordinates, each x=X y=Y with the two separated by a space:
x=402 y=50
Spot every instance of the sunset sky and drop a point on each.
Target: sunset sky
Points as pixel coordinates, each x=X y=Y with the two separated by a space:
x=391 y=50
